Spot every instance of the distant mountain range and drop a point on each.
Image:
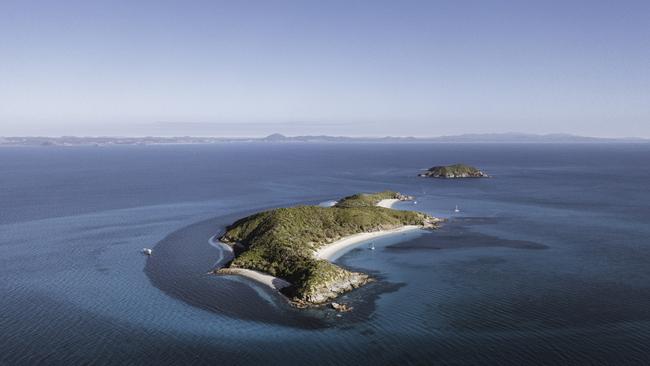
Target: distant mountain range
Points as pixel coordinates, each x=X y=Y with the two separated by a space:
x=279 y=138
x=483 y=138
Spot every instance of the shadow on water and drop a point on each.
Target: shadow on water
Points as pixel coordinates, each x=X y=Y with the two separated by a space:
x=181 y=264
x=456 y=234
x=180 y=267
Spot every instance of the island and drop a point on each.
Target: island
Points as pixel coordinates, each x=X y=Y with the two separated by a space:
x=454 y=171
x=288 y=248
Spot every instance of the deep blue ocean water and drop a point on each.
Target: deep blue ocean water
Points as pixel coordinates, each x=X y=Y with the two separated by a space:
x=547 y=263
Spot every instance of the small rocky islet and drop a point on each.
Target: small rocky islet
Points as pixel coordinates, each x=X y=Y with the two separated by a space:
x=454 y=171
x=282 y=242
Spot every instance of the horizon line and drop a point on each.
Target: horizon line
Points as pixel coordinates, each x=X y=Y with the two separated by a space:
x=281 y=135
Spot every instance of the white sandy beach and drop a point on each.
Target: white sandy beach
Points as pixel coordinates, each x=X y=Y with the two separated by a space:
x=274 y=283
x=388 y=203
x=334 y=250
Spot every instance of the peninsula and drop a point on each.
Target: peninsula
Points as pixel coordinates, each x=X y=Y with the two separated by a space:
x=288 y=248
x=454 y=171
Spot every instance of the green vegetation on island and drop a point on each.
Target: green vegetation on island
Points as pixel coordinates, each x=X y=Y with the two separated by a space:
x=454 y=171
x=282 y=242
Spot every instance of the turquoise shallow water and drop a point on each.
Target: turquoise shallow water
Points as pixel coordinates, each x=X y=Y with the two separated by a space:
x=545 y=264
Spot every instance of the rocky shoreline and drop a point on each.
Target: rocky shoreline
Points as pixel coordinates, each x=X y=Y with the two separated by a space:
x=344 y=282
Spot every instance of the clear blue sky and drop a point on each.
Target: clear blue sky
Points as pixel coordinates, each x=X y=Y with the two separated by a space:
x=351 y=67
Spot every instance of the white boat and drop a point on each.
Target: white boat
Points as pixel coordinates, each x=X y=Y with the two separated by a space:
x=147 y=251
x=457 y=209
x=415 y=202
x=372 y=246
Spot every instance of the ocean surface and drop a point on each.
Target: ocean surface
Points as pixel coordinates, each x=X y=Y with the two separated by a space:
x=548 y=262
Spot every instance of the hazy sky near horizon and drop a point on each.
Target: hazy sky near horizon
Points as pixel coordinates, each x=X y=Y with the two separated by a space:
x=247 y=68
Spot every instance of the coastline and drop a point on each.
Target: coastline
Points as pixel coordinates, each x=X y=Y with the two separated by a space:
x=334 y=250
x=328 y=252
x=275 y=283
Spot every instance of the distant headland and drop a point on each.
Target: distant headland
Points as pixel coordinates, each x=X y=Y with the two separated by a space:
x=288 y=248
x=454 y=171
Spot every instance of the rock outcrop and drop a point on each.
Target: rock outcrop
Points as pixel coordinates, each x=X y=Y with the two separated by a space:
x=341 y=308
x=403 y=197
x=343 y=281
